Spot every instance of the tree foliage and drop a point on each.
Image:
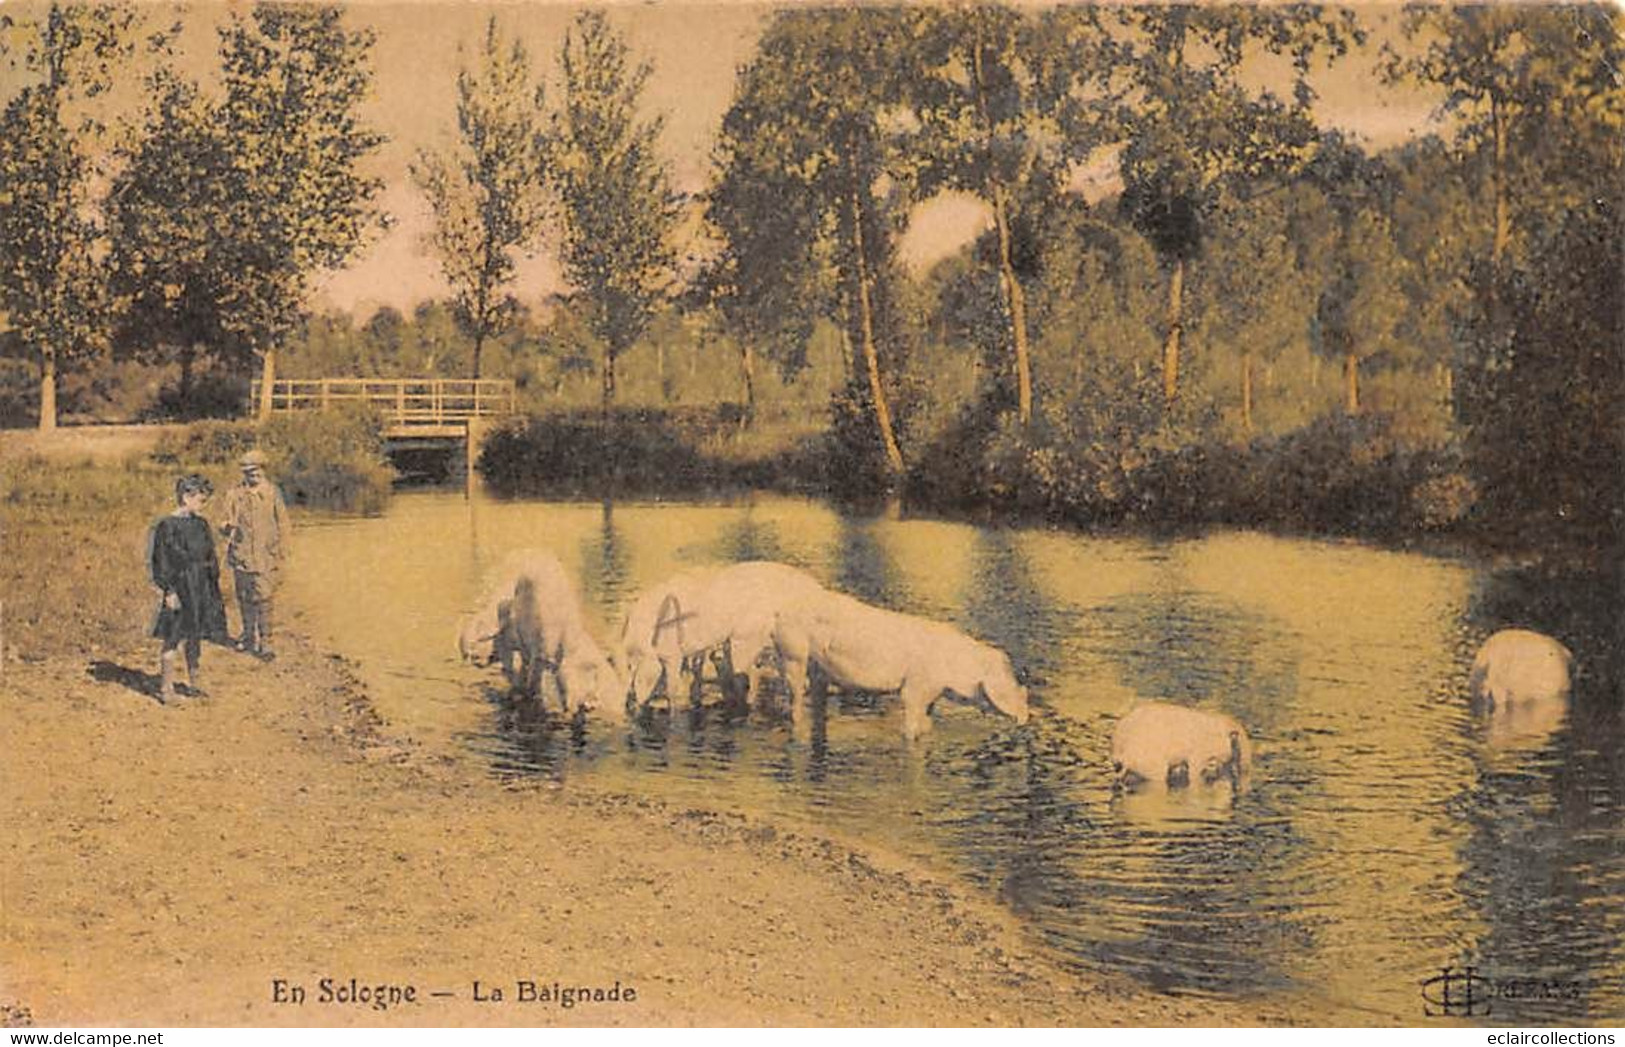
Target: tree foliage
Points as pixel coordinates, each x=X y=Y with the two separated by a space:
x=294 y=79
x=810 y=185
x=51 y=229
x=1006 y=102
x=487 y=194
x=1195 y=124
x=619 y=210
x=169 y=210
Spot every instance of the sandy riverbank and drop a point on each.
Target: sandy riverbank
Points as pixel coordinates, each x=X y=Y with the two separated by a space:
x=168 y=862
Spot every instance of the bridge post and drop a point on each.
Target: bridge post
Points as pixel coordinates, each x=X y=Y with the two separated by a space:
x=473 y=436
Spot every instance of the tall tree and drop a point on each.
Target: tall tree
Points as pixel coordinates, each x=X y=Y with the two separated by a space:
x=51 y=228
x=1539 y=110
x=1259 y=291
x=1005 y=106
x=487 y=194
x=1355 y=263
x=295 y=78
x=1515 y=77
x=771 y=281
x=619 y=210
x=1359 y=309
x=801 y=198
x=1196 y=123
x=1435 y=231
x=169 y=213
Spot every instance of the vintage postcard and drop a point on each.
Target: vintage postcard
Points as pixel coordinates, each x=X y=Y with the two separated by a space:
x=734 y=514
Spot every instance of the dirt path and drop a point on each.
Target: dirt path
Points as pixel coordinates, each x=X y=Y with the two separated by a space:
x=168 y=863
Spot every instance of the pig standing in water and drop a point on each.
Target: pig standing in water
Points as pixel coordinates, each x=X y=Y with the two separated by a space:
x=856 y=646
x=1516 y=666
x=1161 y=745
x=532 y=613
x=702 y=611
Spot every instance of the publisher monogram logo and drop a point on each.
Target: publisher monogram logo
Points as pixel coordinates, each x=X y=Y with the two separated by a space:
x=1456 y=992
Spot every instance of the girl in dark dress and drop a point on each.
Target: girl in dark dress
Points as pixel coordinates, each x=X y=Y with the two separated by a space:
x=186 y=573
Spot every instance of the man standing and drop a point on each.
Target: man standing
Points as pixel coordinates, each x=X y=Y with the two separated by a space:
x=255 y=521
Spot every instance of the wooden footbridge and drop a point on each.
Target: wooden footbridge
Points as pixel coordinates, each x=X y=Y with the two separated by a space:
x=418 y=413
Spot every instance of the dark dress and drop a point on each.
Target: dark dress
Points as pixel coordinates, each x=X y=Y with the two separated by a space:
x=183 y=563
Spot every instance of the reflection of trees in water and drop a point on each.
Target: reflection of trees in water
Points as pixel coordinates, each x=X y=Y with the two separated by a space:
x=1183 y=906
x=861 y=566
x=606 y=563
x=1177 y=644
x=746 y=538
x=1005 y=606
x=1544 y=862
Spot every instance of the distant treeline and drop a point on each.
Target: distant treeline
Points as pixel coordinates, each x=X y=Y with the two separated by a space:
x=1257 y=319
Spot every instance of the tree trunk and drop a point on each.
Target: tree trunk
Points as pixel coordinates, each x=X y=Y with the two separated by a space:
x=47 y=393
x=609 y=381
x=1170 y=347
x=1247 y=392
x=1351 y=384
x=1017 y=299
x=871 y=356
x=188 y=355
x=1445 y=379
x=849 y=360
x=660 y=370
x=1503 y=223
x=747 y=371
x=479 y=345
x=267 y=382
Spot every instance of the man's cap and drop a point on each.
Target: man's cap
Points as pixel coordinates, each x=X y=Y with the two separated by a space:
x=254 y=460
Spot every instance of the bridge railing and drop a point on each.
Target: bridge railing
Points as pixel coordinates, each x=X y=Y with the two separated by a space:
x=403 y=401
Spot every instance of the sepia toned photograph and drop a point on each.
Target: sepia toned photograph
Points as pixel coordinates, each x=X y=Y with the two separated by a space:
x=737 y=514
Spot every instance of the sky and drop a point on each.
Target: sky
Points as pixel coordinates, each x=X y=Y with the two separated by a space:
x=696 y=50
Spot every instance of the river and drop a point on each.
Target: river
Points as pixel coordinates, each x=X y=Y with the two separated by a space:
x=1389 y=836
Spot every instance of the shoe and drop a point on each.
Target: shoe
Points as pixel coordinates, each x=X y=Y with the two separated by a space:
x=265 y=654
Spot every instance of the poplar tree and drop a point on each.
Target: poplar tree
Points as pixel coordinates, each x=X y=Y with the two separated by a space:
x=51 y=227
x=618 y=207
x=1195 y=124
x=295 y=78
x=487 y=192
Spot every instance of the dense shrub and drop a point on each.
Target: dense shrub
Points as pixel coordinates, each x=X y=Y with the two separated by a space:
x=1337 y=475
x=643 y=452
x=331 y=459
x=206 y=443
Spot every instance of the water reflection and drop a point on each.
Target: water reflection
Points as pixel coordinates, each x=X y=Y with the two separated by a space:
x=606 y=564
x=860 y=566
x=1544 y=867
x=1387 y=831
